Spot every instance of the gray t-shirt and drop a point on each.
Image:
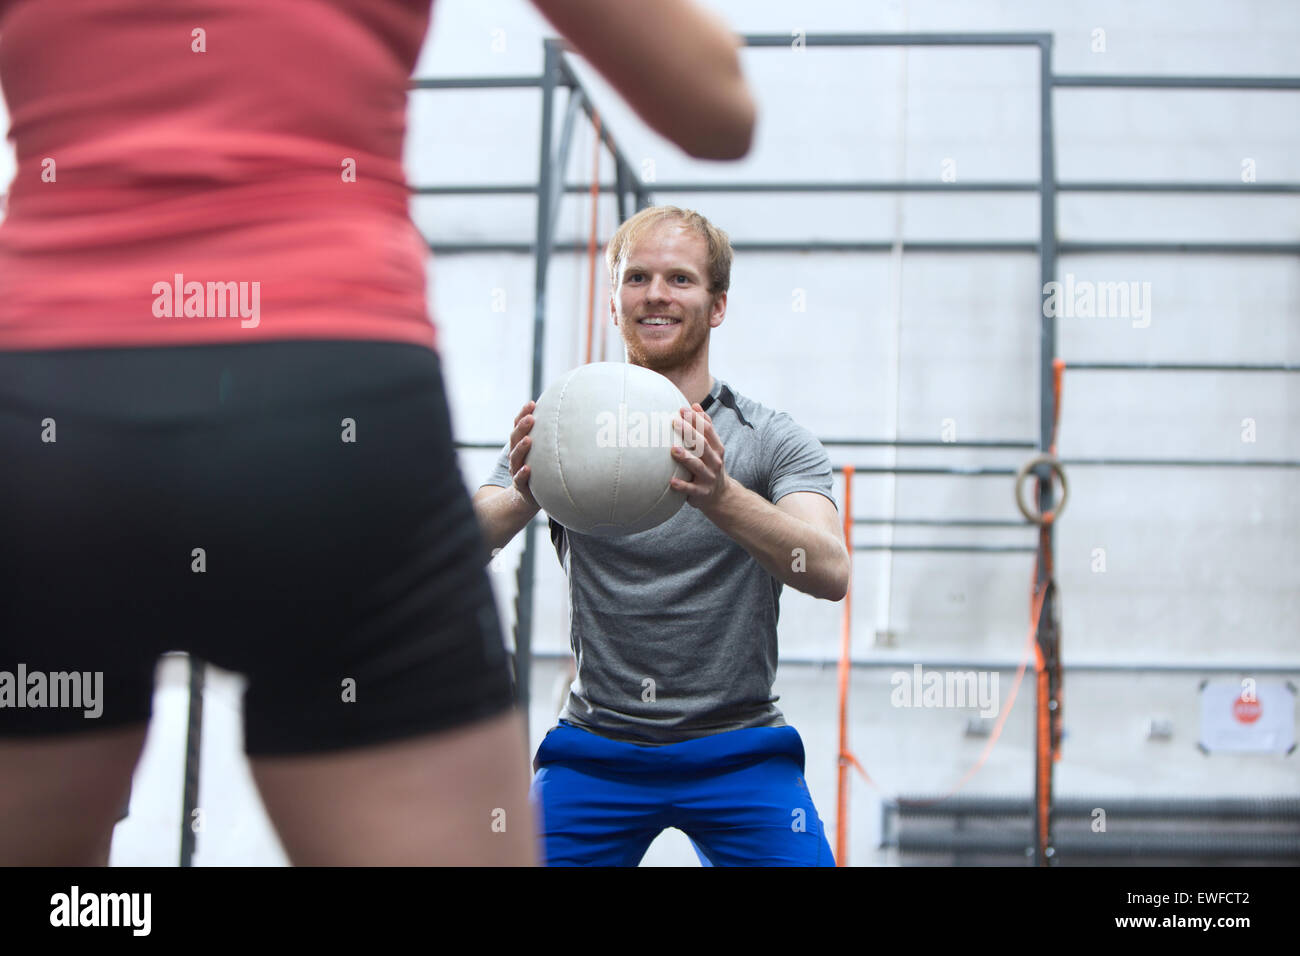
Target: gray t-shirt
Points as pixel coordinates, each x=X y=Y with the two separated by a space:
x=674 y=629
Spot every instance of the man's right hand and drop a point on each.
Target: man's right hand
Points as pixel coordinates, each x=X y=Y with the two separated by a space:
x=520 y=444
x=505 y=511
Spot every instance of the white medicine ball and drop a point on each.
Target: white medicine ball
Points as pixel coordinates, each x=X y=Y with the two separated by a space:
x=601 y=455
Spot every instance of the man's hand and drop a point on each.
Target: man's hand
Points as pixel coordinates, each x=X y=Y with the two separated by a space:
x=504 y=512
x=804 y=522
x=703 y=457
x=520 y=444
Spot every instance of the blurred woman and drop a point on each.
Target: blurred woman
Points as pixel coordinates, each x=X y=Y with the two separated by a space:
x=223 y=425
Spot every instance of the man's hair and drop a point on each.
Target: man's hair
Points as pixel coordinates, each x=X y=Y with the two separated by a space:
x=719 y=265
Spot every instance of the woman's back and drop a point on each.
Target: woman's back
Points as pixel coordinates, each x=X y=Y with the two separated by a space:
x=249 y=142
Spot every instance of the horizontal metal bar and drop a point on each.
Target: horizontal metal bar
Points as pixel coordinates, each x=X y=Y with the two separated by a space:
x=1078 y=667
x=471 y=248
x=480 y=248
x=1175 y=367
x=885 y=470
x=945 y=522
x=845 y=187
x=1215 y=248
x=859 y=443
x=899 y=39
x=1150 y=807
x=916 y=522
x=487 y=189
x=1180 y=82
x=1082 y=667
x=924 y=443
x=995 y=472
x=476 y=82
x=919 y=245
x=722 y=188
x=949 y=548
x=1248 y=848
x=1157 y=187
x=974 y=246
x=502 y=189
x=1183 y=463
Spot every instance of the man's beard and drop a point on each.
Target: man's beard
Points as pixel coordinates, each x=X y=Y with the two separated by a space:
x=686 y=347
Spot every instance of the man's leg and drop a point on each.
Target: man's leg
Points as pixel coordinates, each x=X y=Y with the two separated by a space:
x=756 y=815
x=589 y=819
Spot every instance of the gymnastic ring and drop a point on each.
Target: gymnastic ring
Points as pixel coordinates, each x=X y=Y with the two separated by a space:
x=1052 y=462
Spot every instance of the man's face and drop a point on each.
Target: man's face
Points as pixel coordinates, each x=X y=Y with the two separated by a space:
x=665 y=276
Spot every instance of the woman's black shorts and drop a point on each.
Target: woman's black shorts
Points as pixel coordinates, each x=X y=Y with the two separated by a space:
x=292 y=511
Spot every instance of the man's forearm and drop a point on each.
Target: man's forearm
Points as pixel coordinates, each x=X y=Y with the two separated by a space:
x=502 y=515
x=793 y=551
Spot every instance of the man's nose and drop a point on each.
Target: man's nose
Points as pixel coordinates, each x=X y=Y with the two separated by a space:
x=659 y=289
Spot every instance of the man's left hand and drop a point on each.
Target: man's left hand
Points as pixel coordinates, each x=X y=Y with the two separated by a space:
x=702 y=456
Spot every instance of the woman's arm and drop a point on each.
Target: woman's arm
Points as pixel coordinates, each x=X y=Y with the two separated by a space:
x=675 y=63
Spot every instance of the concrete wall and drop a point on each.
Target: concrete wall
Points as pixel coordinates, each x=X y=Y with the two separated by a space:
x=1200 y=566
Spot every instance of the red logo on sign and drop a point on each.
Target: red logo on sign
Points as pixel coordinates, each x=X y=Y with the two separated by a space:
x=1246 y=709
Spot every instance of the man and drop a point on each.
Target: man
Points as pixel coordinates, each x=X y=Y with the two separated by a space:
x=671 y=721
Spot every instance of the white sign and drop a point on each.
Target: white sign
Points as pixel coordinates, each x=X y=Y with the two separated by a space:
x=1247 y=716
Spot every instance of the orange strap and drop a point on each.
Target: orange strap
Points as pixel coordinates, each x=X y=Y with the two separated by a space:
x=846 y=630
x=1048 y=743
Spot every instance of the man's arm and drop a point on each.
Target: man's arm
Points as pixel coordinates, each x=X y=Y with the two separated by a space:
x=798 y=540
x=502 y=513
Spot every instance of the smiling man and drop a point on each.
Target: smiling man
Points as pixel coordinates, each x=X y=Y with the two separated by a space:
x=671 y=720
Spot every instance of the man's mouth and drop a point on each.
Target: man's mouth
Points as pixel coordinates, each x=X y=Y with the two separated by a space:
x=658 y=320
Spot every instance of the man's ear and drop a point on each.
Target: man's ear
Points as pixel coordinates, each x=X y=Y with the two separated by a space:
x=719 y=310
x=613 y=309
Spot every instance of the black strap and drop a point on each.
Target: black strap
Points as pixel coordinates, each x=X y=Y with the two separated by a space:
x=557 y=537
x=727 y=399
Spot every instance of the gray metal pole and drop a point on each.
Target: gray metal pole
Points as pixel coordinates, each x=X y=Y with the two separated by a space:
x=560 y=162
x=547 y=176
x=621 y=188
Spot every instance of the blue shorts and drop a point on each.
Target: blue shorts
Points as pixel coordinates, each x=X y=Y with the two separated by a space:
x=740 y=796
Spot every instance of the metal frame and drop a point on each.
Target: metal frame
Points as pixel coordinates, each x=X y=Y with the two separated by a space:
x=1255 y=830
x=629 y=189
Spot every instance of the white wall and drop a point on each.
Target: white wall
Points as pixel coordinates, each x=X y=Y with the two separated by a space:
x=1200 y=564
